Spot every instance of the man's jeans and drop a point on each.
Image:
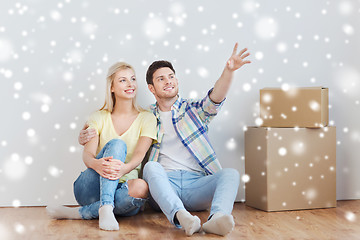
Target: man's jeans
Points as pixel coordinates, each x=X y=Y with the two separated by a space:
x=92 y=191
x=176 y=190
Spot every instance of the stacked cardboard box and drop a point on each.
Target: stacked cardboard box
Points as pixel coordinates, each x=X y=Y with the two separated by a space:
x=291 y=158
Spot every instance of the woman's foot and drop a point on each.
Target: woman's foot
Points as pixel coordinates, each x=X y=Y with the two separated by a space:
x=61 y=212
x=107 y=220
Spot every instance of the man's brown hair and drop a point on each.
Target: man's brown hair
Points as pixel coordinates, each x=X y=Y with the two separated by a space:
x=155 y=66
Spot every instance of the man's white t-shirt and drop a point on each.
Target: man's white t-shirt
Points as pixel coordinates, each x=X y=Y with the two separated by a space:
x=173 y=154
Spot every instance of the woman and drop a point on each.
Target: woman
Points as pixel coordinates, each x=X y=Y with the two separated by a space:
x=110 y=185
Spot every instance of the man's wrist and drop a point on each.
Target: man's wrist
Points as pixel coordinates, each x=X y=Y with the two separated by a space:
x=228 y=71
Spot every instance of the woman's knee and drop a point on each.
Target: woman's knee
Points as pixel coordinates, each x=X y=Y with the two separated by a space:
x=87 y=177
x=116 y=143
x=138 y=188
x=115 y=148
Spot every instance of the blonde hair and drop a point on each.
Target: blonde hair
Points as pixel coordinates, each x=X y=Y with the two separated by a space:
x=109 y=96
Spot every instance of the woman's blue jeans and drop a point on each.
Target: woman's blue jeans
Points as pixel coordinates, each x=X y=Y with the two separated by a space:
x=92 y=191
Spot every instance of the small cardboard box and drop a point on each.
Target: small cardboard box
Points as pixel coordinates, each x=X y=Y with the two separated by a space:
x=290 y=168
x=296 y=107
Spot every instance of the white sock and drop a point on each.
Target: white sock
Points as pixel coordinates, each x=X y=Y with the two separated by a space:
x=107 y=220
x=61 y=212
x=190 y=223
x=220 y=224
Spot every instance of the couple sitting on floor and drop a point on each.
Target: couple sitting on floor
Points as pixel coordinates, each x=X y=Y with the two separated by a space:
x=182 y=174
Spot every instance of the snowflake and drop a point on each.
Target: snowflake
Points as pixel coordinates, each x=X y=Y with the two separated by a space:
x=6 y=50
x=282 y=151
x=258 y=121
x=350 y=216
x=245 y=178
x=259 y=55
x=266 y=28
x=26 y=115
x=231 y=144
x=193 y=94
x=14 y=168
x=246 y=87
x=30 y=132
x=348 y=29
x=155 y=28
x=54 y=171
x=203 y=72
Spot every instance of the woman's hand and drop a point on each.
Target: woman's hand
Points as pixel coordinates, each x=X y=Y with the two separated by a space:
x=118 y=169
x=101 y=166
x=110 y=168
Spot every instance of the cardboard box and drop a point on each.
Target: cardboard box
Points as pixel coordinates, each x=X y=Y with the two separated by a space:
x=296 y=107
x=290 y=168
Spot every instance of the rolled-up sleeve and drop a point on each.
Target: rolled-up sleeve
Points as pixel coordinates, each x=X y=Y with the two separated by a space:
x=148 y=128
x=207 y=109
x=94 y=122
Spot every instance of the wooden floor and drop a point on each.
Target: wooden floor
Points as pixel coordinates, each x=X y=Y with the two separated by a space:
x=342 y=222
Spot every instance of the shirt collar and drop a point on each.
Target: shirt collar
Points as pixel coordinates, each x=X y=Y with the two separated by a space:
x=176 y=106
x=177 y=103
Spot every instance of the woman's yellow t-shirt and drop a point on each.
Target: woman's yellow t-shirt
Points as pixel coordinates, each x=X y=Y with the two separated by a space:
x=143 y=125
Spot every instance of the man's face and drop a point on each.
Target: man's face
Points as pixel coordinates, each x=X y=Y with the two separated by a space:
x=165 y=84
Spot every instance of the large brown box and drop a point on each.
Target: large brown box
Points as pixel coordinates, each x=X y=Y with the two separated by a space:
x=296 y=107
x=290 y=168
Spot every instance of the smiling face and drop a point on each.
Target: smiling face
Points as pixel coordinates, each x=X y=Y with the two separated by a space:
x=124 y=84
x=165 y=84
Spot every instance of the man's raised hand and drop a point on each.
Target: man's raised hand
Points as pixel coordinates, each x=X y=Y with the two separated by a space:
x=237 y=60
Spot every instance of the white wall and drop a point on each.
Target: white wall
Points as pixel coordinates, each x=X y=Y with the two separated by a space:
x=54 y=56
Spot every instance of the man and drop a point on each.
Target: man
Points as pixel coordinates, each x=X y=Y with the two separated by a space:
x=183 y=172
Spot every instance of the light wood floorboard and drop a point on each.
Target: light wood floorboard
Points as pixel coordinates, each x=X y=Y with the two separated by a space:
x=33 y=223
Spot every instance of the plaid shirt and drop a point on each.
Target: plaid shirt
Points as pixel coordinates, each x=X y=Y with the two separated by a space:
x=191 y=119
